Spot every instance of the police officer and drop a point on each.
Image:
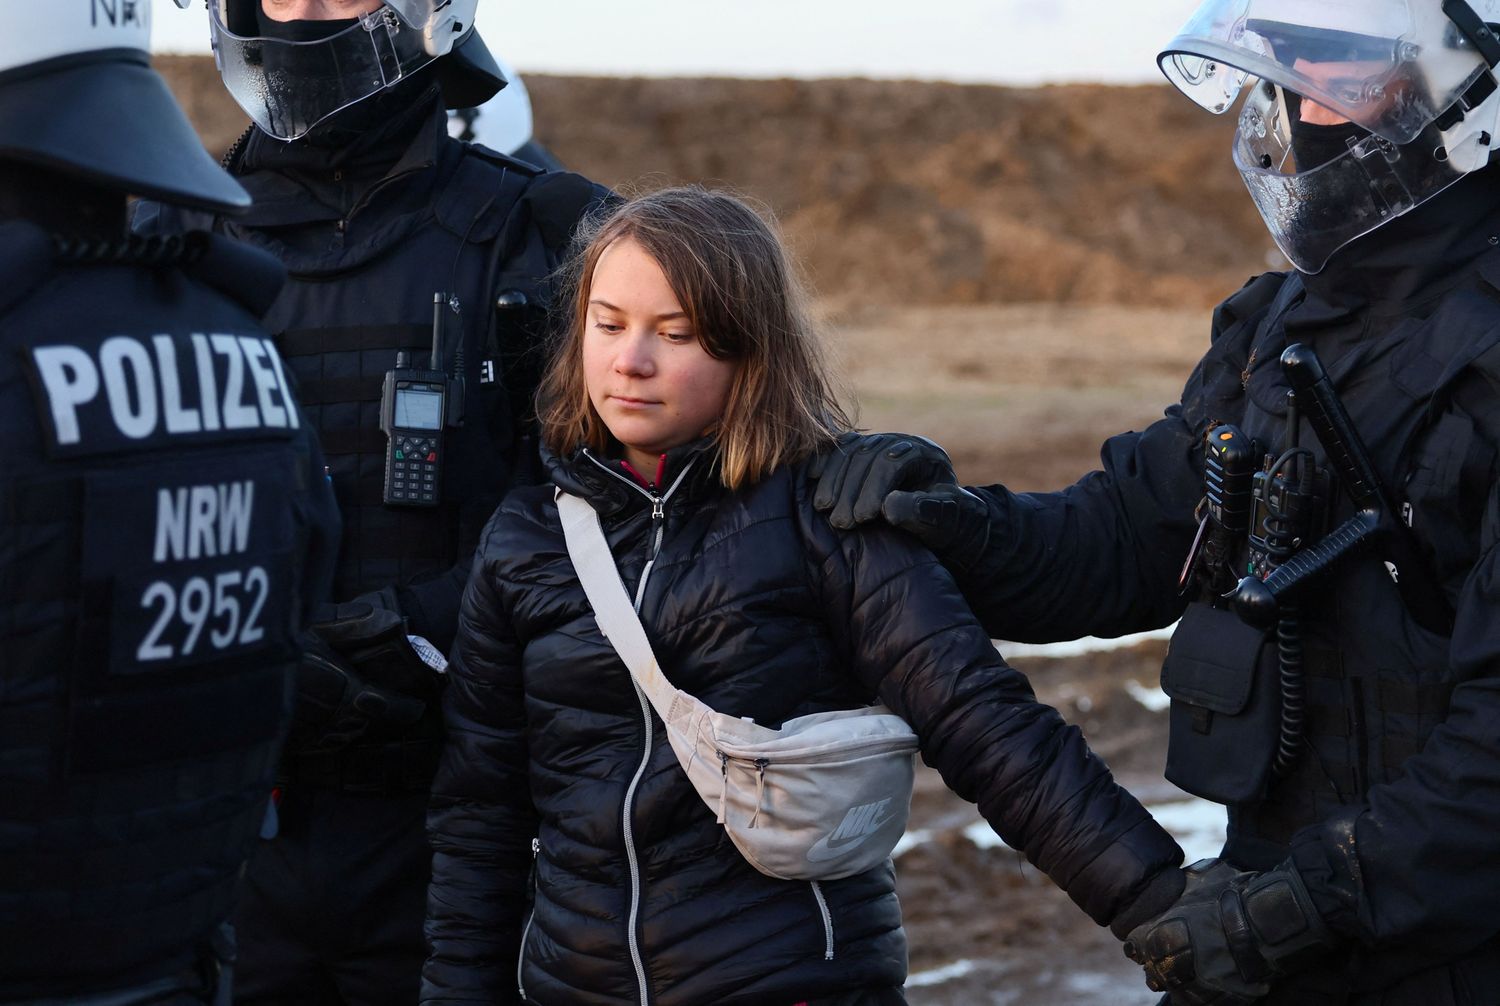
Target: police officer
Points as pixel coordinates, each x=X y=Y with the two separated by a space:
x=164 y=522
x=411 y=322
x=1350 y=723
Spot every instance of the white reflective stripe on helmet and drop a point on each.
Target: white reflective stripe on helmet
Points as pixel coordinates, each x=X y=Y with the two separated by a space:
x=45 y=29
x=1392 y=66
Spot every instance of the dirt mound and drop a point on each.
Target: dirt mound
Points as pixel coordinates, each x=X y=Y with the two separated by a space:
x=916 y=193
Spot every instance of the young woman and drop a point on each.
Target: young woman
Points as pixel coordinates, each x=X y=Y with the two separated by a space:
x=574 y=862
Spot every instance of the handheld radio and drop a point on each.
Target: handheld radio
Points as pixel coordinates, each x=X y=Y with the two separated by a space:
x=1290 y=496
x=415 y=406
x=1228 y=468
x=1224 y=513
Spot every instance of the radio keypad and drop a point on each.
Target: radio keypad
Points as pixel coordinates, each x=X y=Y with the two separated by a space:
x=414 y=470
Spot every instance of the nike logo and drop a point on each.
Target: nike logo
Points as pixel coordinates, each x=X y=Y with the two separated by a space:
x=859 y=824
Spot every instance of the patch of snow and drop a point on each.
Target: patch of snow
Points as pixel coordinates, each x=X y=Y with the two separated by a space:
x=1153 y=698
x=1076 y=647
x=1089 y=982
x=1198 y=826
x=910 y=841
x=937 y=976
x=982 y=835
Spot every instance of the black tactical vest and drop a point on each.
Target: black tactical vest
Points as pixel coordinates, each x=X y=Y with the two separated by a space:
x=1377 y=681
x=489 y=239
x=487 y=232
x=163 y=521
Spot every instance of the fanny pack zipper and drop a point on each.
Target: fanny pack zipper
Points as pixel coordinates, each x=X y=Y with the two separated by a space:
x=846 y=750
x=759 y=765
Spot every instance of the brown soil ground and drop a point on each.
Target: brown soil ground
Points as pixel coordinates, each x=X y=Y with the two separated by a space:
x=1017 y=273
x=1022 y=393
x=902 y=192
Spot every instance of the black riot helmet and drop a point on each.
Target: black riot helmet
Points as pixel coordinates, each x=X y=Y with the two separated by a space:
x=291 y=76
x=78 y=95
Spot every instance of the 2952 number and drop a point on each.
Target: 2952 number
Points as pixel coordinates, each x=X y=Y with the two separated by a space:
x=202 y=607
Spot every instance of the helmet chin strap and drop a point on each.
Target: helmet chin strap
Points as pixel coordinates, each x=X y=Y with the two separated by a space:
x=1482 y=37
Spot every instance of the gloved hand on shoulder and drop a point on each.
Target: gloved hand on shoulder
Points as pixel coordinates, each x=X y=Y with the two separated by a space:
x=908 y=481
x=1229 y=935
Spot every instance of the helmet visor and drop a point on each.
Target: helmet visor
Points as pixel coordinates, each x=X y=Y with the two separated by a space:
x=287 y=87
x=1313 y=213
x=1392 y=66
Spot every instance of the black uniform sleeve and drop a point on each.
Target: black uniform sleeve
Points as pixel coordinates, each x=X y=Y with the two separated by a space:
x=1415 y=867
x=1101 y=557
x=906 y=633
x=432 y=607
x=480 y=821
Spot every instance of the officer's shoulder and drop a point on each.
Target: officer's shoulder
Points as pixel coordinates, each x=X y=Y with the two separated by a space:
x=151 y=217
x=493 y=156
x=27 y=255
x=251 y=277
x=1249 y=301
x=556 y=197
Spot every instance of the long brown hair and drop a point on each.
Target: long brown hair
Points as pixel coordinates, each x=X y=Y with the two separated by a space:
x=742 y=297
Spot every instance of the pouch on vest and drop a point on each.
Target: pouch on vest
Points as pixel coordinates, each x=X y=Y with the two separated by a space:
x=1222 y=678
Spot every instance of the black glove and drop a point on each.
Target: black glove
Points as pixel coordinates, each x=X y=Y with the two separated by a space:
x=373 y=640
x=1228 y=935
x=856 y=476
x=951 y=521
x=336 y=706
x=908 y=481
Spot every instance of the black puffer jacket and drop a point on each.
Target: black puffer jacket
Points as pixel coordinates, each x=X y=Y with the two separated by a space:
x=758 y=607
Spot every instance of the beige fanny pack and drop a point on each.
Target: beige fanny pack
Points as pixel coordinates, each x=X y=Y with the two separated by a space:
x=825 y=796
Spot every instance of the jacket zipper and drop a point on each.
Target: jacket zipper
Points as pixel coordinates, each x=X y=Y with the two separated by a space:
x=817 y=890
x=536 y=847
x=658 y=516
x=659 y=525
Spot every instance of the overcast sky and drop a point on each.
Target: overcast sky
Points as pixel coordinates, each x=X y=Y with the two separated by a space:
x=1001 y=41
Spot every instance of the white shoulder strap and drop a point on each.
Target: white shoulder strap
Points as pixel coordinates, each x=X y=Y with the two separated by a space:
x=612 y=608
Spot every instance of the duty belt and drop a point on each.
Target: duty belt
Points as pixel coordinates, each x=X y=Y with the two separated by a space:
x=397 y=767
